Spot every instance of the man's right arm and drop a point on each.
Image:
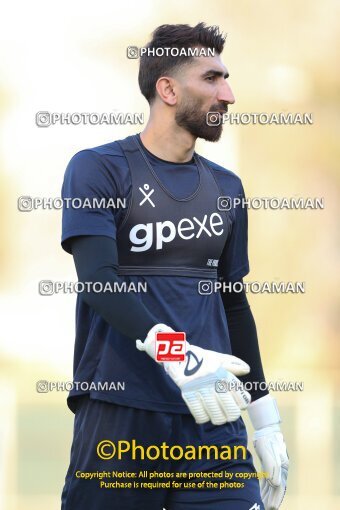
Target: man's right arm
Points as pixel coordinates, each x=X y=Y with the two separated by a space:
x=96 y=260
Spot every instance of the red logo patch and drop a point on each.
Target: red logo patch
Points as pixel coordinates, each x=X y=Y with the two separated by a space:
x=170 y=346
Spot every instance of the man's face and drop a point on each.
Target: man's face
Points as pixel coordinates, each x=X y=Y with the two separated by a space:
x=203 y=88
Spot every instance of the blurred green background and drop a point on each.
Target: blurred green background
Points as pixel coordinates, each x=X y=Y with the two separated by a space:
x=71 y=57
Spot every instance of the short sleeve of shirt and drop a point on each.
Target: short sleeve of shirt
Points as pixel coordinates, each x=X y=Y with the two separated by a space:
x=234 y=263
x=87 y=186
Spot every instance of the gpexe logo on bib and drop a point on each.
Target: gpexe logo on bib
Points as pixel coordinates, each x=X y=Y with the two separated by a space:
x=142 y=235
x=170 y=346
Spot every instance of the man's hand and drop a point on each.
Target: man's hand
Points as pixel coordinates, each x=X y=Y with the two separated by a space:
x=271 y=450
x=197 y=375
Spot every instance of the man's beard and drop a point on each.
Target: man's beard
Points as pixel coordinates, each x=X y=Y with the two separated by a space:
x=190 y=117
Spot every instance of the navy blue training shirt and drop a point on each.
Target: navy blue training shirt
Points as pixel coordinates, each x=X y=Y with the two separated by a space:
x=104 y=355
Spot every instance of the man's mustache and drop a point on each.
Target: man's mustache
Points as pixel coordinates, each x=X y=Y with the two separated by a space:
x=220 y=108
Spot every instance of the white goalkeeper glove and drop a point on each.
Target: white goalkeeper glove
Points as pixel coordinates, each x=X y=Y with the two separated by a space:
x=271 y=450
x=197 y=376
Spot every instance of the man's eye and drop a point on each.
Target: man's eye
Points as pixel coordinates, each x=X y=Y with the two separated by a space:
x=210 y=78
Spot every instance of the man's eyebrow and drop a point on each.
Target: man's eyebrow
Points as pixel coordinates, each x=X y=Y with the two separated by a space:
x=213 y=72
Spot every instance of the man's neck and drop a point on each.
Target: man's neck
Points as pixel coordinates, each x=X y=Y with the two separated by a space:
x=176 y=145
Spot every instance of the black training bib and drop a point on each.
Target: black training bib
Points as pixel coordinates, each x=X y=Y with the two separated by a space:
x=164 y=235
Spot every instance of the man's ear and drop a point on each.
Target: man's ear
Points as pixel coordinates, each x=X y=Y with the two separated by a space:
x=166 y=88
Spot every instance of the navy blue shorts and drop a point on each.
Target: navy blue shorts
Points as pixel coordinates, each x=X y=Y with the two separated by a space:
x=96 y=421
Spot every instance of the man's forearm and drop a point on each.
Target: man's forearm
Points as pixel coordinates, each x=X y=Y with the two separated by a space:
x=243 y=338
x=96 y=260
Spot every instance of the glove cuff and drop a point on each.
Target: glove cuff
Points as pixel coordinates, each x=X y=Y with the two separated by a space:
x=272 y=429
x=264 y=412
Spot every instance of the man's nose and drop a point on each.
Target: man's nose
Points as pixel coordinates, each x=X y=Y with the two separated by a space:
x=225 y=94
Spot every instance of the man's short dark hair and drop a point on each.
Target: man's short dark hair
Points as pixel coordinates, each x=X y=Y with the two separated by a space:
x=151 y=68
